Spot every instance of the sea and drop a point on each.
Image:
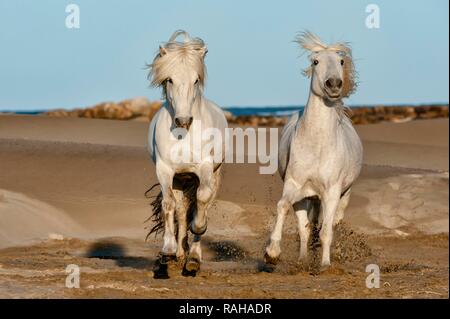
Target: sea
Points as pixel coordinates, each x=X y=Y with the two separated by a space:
x=277 y=111
x=235 y=110
x=263 y=110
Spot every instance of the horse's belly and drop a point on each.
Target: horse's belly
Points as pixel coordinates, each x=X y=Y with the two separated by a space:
x=310 y=190
x=185 y=168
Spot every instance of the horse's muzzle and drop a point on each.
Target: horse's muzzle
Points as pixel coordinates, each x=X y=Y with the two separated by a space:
x=184 y=122
x=333 y=88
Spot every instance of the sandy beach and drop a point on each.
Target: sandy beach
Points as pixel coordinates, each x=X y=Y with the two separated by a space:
x=72 y=192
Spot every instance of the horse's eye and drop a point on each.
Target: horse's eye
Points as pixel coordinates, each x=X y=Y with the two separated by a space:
x=342 y=62
x=196 y=81
x=169 y=80
x=315 y=62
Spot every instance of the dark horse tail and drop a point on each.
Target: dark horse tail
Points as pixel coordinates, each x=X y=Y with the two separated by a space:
x=186 y=182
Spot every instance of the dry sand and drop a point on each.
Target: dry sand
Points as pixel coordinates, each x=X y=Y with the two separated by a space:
x=72 y=192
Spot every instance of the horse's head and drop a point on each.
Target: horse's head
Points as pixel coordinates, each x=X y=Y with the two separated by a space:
x=180 y=70
x=332 y=71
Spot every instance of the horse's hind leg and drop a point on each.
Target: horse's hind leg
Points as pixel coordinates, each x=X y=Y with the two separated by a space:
x=302 y=210
x=330 y=204
x=343 y=203
x=182 y=204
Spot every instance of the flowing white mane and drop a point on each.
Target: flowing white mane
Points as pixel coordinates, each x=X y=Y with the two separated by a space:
x=313 y=44
x=190 y=52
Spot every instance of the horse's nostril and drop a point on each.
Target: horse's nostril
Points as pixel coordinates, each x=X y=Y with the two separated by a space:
x=333 y=83
x=183 y=121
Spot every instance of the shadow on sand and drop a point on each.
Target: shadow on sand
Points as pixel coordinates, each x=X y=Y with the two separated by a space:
x=114 y=251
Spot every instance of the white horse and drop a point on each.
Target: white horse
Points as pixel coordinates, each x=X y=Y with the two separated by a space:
x=188 y=187
x=320 y=153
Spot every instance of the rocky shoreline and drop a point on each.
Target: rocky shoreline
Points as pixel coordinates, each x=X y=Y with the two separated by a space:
x=141 y=109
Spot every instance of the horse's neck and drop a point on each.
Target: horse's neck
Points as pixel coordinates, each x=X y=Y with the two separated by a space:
x=319 y=119
x=198 y=107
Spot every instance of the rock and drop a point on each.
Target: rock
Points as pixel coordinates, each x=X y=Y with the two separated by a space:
x=137 y=105
x=400 y=233
x=54 y=236
x=141 y=109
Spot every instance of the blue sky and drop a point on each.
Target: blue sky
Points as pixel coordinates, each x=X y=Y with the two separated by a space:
x=251 y=61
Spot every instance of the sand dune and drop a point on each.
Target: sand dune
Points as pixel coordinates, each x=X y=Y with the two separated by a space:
x=24 y=220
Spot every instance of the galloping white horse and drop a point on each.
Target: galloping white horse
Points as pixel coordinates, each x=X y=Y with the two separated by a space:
x=188 y=187
x=320 y=153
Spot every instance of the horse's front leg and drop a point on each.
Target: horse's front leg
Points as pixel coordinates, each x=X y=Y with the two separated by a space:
x=168 y=251
x=330 y=202
x=192 y=264
x=165 y=177
x=205 y=194
x=209 y=184
x=290 y=195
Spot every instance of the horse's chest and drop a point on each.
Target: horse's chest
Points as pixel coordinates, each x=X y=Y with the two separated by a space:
x=315 y=154
x=186 y=154
x=320 y=163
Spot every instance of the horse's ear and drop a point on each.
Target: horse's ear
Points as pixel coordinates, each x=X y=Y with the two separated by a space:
x=162 y=51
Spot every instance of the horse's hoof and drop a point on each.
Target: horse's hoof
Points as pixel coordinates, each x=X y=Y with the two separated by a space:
x=160 y=271
x=187 y=273
x=191 y=267
x=199 y=232
x=269 y=268
x=270 y=260
x=192 y=264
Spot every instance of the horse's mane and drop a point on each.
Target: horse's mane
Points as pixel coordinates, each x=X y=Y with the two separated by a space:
x=172 y=53
x=313 y=44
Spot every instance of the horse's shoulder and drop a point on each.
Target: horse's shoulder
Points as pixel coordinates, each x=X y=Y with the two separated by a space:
x=285 y=143
x=292 y=122
x=214 y=106
x=156 y=121
x=215 y=111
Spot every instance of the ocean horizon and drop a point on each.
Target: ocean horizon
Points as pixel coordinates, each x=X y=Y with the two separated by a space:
x=278 y=111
